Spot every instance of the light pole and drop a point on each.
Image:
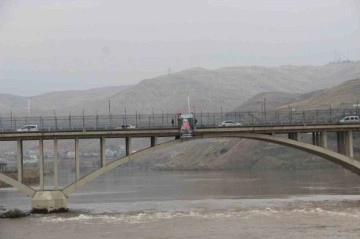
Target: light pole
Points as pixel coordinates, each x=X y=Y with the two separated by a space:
x=109 y=113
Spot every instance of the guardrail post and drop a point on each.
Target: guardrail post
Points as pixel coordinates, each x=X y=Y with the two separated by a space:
x=83 y=120
x=162 y=119
x=70 y=121
x=97 y=121
x=303 y=114
x=136 y=119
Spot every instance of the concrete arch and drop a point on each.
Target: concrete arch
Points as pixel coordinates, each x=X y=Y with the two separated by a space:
x=342 y=160
x=76 y=185
x=337 y=158
x=18 y=185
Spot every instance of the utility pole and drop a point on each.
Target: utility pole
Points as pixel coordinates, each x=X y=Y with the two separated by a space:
x=265 y=110
x=29 y=106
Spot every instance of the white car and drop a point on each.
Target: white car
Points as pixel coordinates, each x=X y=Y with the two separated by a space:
x=350 y=119
x=28 y=128
x=128 y=126
x=228 y=123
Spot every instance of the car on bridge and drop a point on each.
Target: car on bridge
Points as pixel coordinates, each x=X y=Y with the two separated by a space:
x=127 y=126
x=352 y=119
x=229 y=123
x=28 y=128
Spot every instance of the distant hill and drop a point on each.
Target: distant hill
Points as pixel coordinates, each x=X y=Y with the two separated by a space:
x=9 y=102
x=63 y=102
x=225 y=88
x=208 y=90
x=345 y=95
x=271 y=100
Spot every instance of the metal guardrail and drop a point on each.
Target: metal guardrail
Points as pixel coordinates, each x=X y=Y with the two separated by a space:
x=100 y=122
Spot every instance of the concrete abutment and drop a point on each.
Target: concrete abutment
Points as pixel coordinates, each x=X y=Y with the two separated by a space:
x=49 y=202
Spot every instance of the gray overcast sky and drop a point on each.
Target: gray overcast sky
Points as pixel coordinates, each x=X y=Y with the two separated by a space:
x=60 y=45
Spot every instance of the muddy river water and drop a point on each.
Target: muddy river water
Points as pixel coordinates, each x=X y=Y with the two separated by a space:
x=130 y=203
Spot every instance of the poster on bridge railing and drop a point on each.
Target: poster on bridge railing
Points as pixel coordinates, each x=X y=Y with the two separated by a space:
x=186 y=124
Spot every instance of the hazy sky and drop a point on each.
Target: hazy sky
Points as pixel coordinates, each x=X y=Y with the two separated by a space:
x=61 y=45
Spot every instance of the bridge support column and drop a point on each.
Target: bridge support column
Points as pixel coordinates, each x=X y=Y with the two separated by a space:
x=49 y=201
x=56 y=180
x=323 y=139
x=345 y=143
x=20 y=159
x=103 y=151
x=41 y=164
x=128 y=145
x=77 y=160
x=349 y=144
x=340 y=142
x=294 y=136
x=153 y=141
x=316 y=138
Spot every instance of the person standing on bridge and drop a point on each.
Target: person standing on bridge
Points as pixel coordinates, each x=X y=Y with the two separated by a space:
x=172 y=122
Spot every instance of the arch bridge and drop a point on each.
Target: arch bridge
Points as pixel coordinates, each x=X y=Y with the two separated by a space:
x=56 y=199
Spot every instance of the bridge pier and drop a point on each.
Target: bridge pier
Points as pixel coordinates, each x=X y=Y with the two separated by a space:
x=323 y=139
x=153 y=140
x=49 y=201
x=20 y=159
x=128 y=145
x=77 y=159
x=349 y=143
x=319 y=139
x=2 y=167
x=103 y=151
x=56 y=180
x=294 y=136
x=316 y=138
x=345 y=143
x=41 y=164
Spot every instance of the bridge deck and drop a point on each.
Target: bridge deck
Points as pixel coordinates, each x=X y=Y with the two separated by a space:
x=172 y=132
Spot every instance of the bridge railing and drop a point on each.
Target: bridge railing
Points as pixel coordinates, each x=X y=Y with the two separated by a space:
x=97 y=122
x=279 y=117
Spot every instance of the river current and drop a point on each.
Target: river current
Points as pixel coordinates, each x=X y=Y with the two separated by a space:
x=131 y=203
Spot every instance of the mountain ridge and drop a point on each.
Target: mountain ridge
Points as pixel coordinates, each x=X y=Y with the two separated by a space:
x=209 y=90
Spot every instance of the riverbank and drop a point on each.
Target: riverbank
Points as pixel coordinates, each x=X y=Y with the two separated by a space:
x=12 y=213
